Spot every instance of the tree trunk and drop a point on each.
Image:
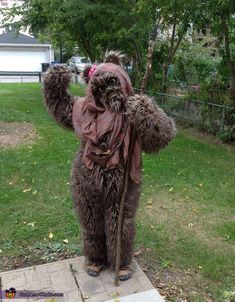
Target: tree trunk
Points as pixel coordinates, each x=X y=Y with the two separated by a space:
x=164 y=78
x=133 y=75
x=148 y=66
x=230 y=62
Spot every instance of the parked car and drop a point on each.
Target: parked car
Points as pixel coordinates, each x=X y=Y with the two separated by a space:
x=78 y=64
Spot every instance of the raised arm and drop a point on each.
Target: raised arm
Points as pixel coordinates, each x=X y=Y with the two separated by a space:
x=57 y=99
x=155 y=128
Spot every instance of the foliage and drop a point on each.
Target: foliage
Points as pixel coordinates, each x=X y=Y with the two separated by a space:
x=176 y=19
x=93 y=26
x=228 y=133
x=220 y=16
x=195 y=64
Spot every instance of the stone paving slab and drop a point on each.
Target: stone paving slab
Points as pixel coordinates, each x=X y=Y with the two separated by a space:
x=68 y=277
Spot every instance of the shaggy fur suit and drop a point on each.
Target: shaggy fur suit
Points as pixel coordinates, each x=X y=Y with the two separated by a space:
x=97 y=192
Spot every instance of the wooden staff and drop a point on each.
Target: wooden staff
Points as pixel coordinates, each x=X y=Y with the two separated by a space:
x=121 y=209
x=152 y=41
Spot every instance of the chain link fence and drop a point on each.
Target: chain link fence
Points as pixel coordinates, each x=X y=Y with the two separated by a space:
x=209 y=117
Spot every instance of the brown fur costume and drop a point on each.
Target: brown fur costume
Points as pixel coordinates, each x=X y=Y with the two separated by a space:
x=97 y=191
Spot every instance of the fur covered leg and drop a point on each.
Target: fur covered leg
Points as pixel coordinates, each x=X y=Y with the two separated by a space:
x=128 y=230
x=94 y=247
x=95 y=252
x=94 y=240
x=88 y=206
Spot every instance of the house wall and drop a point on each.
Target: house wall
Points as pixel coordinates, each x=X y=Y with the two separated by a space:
x=13 y=58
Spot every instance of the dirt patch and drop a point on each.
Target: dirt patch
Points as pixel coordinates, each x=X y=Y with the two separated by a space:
x=174 y=284
x=16 y=133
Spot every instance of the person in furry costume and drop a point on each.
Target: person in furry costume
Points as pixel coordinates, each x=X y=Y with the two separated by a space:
x=102 y=120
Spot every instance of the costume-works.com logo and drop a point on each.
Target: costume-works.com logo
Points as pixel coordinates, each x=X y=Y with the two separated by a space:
x=10 y=293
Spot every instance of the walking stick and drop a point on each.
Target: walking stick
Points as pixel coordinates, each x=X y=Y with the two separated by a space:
x=121 y=209
x=152 y=41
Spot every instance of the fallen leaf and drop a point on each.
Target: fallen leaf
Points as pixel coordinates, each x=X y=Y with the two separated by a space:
x=50 y=236
x=27 y=190
x=137 y=254
x=161 y=285
x=16 y=264
x=115 y=295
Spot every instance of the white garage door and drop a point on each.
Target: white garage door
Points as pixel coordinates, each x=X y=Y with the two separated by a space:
x=22 y=60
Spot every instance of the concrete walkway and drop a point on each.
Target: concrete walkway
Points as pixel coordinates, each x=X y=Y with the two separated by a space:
x=68 y=277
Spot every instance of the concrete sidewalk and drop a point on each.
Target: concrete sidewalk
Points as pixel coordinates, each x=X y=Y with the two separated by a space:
x=68 y=277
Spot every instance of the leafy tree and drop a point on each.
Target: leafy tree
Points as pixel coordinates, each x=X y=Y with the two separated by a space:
x=175 y=20
x=194 y=63
x=94 y=26
x=220 y=16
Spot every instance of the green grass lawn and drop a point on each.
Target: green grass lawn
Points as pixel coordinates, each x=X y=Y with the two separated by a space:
x=186 y=219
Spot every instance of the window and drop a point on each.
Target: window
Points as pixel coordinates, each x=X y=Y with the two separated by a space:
x=84 y=61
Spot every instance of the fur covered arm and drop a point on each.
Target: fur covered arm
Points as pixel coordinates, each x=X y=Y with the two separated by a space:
x=155 y=128
x=56 y=97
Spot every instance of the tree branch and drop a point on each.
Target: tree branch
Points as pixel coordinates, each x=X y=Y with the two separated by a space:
x=172 y=39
